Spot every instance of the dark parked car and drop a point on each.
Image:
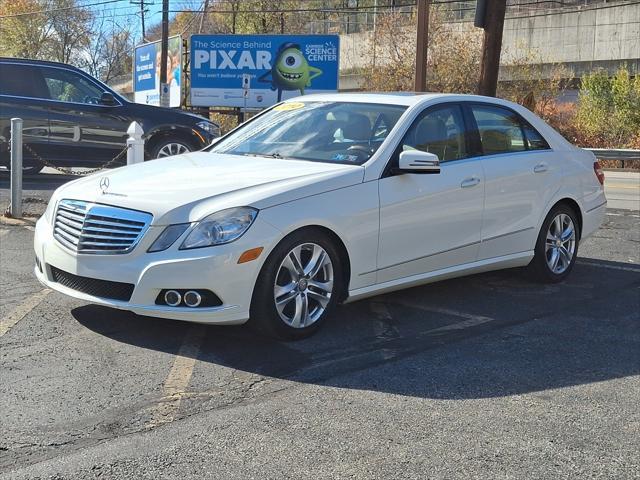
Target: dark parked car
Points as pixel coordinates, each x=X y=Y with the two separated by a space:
x=73 y=120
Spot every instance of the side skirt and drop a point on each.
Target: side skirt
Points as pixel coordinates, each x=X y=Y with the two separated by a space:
x=497 y=263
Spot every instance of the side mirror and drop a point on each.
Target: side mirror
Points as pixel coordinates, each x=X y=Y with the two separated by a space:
x=417 y=161
x=107 y=98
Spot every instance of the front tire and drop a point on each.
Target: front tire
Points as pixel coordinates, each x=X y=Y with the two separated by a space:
x=169 y=146
x=298 y=286
x=557 y=245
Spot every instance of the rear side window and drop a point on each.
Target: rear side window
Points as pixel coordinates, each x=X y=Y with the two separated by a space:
x=22 y=81
x=503 y=131
x=500 y=130
x=535 y=141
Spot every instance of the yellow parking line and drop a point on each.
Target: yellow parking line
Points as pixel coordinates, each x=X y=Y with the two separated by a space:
x=22 y=310
x=178 y=379
x=624 y=187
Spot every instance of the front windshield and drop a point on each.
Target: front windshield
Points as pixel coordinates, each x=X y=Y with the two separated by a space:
x=336 y=132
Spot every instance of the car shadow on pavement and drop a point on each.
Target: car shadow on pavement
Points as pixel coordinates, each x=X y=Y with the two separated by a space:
x=483 y=336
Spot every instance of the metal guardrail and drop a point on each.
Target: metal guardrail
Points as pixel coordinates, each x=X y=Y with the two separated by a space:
x=621 y=155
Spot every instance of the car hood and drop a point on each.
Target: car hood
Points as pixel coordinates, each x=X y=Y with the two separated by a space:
x=186 y=188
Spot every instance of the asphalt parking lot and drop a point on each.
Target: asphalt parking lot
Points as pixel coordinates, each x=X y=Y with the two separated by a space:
x=489 y=376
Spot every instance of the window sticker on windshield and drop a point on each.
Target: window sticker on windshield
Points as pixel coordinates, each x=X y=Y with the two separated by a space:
x=341 y=157
x=289 y=106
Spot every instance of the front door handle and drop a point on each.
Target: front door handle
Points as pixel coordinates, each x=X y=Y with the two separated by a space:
x=541 y=167
x=470 y=182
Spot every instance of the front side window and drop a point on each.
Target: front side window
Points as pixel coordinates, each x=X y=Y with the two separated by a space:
x=336 y=132
x=440 y=131
x=67 y=86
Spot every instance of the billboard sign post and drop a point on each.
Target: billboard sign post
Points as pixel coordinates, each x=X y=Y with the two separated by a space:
x=257 y=71
x=146 y=73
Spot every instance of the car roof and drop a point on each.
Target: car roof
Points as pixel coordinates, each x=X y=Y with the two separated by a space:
x=32 y=61
x=390 y=98
x=407 y=99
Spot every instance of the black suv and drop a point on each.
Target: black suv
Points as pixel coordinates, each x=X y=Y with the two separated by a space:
x=70 y=119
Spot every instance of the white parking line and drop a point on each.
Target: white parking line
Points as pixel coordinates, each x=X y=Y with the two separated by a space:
x=22 y=310
x=470 y=319
x=611 y=267
x=383 y=327
x=179 y=376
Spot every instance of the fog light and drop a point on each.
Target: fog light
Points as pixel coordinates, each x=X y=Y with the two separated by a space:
x=192 y=299
x=172 y=298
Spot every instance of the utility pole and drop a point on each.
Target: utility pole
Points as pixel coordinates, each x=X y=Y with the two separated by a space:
x=421 y=46
x=164 y=53
x=143 y=10
x=204 y=14
x=492 y=22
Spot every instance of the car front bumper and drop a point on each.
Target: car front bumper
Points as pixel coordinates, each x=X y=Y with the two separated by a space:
x=212 y=268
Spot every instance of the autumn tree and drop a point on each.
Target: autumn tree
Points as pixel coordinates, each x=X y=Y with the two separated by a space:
x=23 y=33
x=43 y=29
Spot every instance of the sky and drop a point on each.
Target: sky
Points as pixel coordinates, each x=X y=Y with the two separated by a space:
x=122 y=11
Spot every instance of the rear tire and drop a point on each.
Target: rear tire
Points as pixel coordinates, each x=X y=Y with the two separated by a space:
x=298 y=286
x=33 y=168
x=557 y=246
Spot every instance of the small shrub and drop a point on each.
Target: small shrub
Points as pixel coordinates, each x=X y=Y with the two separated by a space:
x=608 y=112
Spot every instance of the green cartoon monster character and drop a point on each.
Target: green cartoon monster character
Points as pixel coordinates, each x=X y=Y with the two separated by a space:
x=290 y=70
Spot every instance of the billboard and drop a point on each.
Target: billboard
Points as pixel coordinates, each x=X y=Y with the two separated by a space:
x=278 y=67
x=146 y=72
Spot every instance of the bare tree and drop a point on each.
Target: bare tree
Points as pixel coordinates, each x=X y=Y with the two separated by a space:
x=109 y=53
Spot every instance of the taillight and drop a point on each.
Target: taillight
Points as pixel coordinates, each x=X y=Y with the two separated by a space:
x=597 y=169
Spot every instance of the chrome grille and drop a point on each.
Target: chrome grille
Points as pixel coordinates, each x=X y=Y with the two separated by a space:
x=94 y=228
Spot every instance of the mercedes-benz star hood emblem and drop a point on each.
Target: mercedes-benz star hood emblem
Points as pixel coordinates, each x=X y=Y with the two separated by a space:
x=104 y=184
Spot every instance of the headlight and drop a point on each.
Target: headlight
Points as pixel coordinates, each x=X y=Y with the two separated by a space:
x=221 y=227
x=209 y=127
x=168 y=236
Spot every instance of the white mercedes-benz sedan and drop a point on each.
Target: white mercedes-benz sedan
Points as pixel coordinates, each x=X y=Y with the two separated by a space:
x=324 y=199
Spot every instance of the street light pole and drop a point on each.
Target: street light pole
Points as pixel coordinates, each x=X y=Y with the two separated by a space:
x=164 y=53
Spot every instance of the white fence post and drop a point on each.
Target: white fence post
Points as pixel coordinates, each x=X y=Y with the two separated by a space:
x=135 y=152
x=16 y=168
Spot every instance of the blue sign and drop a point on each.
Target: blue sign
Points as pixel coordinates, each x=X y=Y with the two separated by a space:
x=146 y=72
x=280 y=67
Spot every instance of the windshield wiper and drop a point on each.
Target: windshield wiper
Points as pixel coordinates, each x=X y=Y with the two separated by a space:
x=271 y=155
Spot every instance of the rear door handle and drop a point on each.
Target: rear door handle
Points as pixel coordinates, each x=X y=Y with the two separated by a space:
x=470 y=182
x=541 y=167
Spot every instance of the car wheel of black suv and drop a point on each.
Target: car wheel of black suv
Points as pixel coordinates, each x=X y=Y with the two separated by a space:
x=33 y=168
x=169 y=146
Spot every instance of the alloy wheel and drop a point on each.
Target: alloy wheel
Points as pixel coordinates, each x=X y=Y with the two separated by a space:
x=304 y=285
x=171 y=149
x=560 y=244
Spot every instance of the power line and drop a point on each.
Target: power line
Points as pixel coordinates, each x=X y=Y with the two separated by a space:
x=61 y=9
x=305 y=10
